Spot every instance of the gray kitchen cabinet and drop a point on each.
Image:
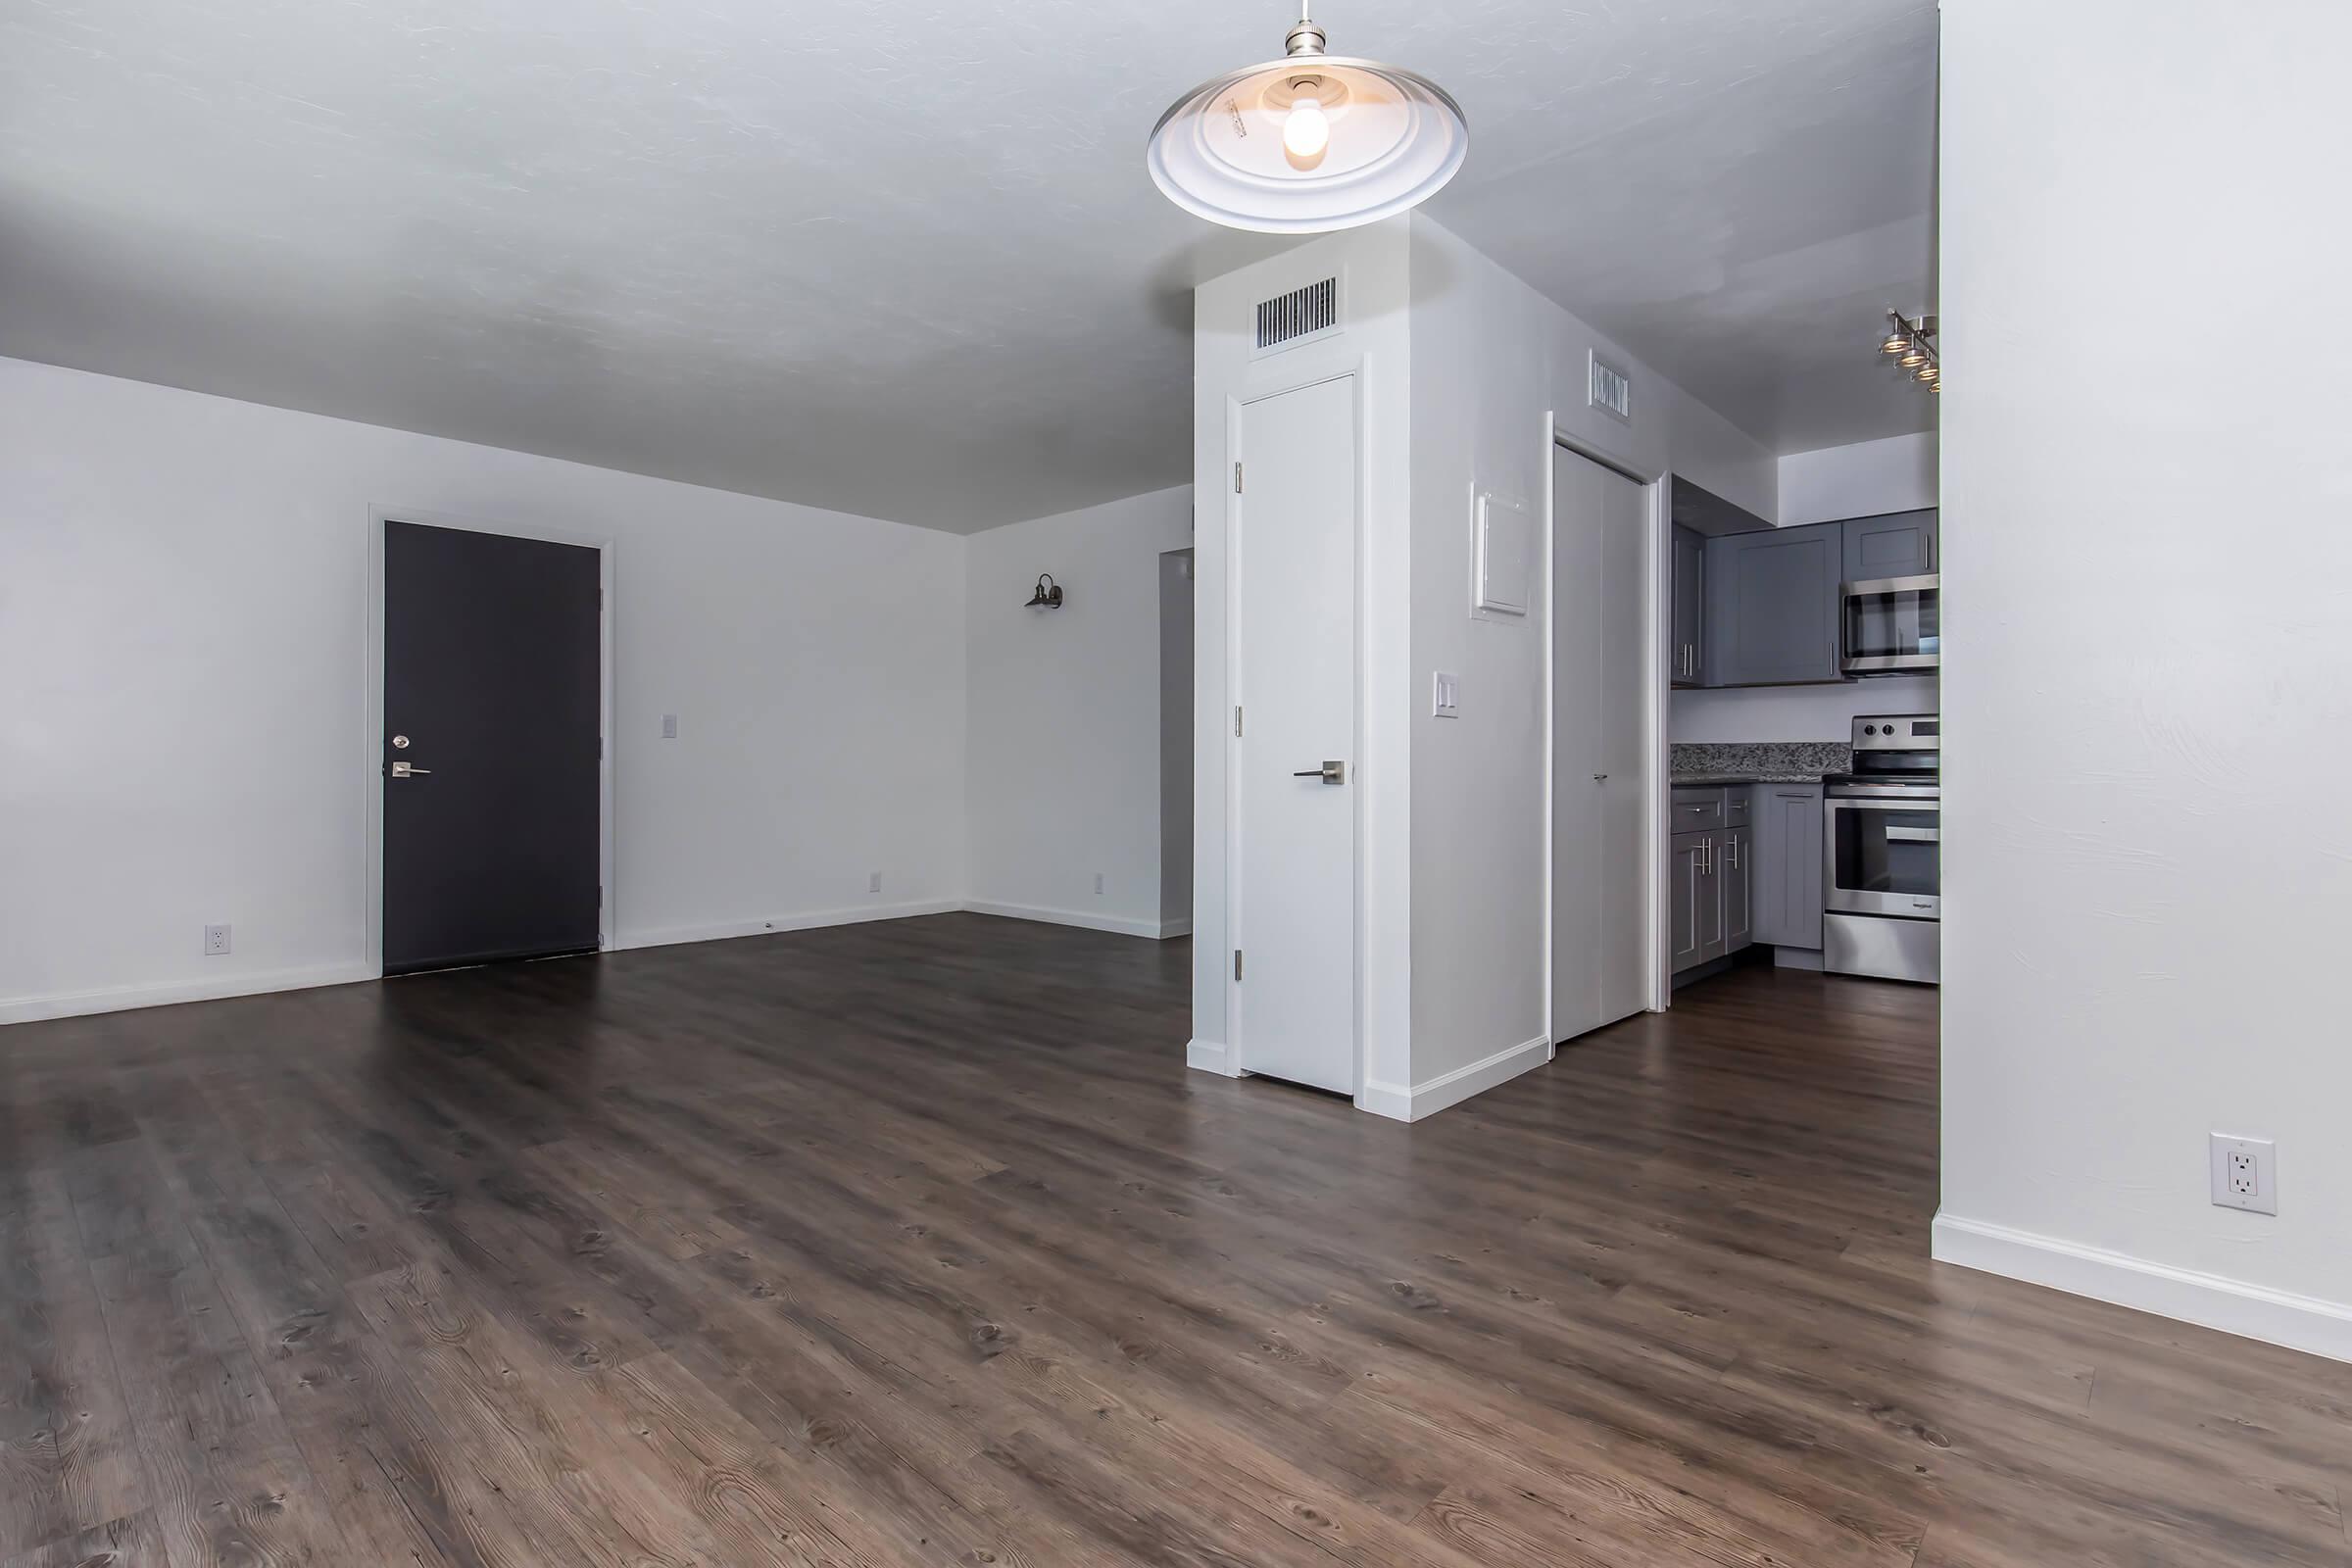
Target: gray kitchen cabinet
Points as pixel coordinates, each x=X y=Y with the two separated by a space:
x=1772 y=606
x=1736 y=881
x=1686 y=651
x=1899 y=544
x=1786 y=881
x=1688 y=890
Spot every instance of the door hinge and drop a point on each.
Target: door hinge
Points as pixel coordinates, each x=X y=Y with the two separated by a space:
x=1237 y=718
x=1237 y=963
x=1236 y=478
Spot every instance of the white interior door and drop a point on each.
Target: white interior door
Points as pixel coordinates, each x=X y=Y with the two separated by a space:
x=1294 y=662
x=1600 y=780
x=1626 y=673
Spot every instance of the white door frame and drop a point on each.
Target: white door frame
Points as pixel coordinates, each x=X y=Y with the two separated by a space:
x=1353 y=372
x=1656 y=585
x=372 y=737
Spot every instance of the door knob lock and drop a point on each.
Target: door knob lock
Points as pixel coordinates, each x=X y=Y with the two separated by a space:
x=1329 y=773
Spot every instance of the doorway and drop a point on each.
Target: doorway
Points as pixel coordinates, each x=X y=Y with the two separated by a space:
x=492 y=812
x=1292 y=663
x=1600 y=767
x=1176 y=743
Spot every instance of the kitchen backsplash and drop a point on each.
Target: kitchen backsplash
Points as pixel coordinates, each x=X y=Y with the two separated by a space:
x=1765 y=758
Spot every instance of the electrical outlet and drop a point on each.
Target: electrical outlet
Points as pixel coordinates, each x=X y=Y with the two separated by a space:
x=1098 y=884
x=670 y=726
x=216 y=940
x=2245 y=1173
x=873 y=884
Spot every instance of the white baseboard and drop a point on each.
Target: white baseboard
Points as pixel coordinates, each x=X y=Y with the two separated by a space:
x=2234 y=1306
x=1175 y=928
x=1208 y=1055
x=116 y=998
x=806 y=921
x=1428 y=1098
x=1120 y=925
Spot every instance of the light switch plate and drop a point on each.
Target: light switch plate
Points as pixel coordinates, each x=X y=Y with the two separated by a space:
x=2245 y=1173
x=1445 y=696
x=670 y=726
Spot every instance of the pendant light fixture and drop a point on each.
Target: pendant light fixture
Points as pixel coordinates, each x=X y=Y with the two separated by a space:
x=1307 y=143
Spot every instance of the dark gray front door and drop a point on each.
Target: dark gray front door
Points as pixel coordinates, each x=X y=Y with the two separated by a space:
x=492 y=660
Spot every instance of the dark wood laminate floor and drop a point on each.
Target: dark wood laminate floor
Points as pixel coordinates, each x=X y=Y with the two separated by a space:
x=915 y=1243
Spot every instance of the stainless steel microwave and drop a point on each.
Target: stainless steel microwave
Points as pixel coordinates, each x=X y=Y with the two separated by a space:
x=1891 y=624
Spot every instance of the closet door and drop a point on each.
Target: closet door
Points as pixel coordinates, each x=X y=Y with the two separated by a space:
x=1601 y=884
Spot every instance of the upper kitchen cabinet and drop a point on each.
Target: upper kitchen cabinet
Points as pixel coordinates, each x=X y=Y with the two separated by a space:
x=1900 y=543
x=1772 y=606
x=1687 y=650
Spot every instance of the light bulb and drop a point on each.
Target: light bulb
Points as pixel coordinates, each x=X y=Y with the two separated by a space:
x=1894 y=344
x=1913 y=359
x=1306 y=131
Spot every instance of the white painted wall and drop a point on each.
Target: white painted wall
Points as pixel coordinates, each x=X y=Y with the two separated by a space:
x=183 y=584
x=1493 y=363
x=1863 y=479
x=1797 y=713
x=1377 y=349
x=1828 y=485
x=1462 y=367
x=2145 y=888
x=1064 y=772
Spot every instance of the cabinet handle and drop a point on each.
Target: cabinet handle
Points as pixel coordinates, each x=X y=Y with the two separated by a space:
x=1732 y=848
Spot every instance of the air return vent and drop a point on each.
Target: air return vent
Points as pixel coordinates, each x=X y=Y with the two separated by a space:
x=1608 y=388
x=1302 y=316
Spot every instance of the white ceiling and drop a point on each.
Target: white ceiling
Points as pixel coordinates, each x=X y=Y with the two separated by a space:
x=899 y=260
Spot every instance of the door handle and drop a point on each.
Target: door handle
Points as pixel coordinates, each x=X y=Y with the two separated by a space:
x=1329 y=773
x=405 y=770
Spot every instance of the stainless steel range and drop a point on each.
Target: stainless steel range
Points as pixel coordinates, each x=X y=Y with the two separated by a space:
x=1881 y=859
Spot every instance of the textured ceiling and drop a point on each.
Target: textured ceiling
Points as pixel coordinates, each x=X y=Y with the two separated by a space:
x=901 y=260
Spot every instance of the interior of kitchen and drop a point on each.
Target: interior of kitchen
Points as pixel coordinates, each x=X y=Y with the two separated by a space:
x=1805 y=739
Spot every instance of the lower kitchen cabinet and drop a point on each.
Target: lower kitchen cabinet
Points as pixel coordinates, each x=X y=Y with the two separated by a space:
x=1788 y=859
x=1756 y=879
x=1694 y=920
x=1710 y=906
x=1738 y=881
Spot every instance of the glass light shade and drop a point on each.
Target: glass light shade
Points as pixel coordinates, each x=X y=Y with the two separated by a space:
x=1394 y=140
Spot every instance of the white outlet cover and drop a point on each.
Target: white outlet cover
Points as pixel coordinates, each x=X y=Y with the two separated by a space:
x=2263 y=1199
x=216 y=940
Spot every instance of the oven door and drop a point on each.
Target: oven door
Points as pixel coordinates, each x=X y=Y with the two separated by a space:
x=1881 y=854
x=1891 y=624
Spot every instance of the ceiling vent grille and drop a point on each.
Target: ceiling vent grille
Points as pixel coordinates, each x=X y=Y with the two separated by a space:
x=1300 y=317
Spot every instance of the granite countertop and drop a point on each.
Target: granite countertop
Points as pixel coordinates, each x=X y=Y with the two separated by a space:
x=1718 y=762
x=1702 y=780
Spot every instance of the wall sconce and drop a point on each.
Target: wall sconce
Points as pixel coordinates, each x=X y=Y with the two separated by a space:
x=1047 y=595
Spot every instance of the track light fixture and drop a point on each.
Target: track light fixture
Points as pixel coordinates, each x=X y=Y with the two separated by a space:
x=1911 y=345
